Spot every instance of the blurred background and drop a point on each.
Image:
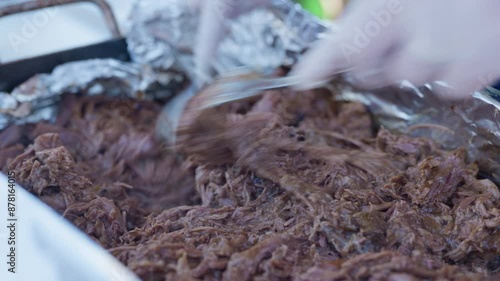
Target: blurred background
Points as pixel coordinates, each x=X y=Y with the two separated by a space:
x=54 y=29
x=46 y=31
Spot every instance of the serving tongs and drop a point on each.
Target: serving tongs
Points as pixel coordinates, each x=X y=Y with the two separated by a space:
x=14 y=73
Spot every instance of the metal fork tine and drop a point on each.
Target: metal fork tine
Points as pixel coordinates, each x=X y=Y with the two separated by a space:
x=242 y=89
x=242 y=84
x=228 y=90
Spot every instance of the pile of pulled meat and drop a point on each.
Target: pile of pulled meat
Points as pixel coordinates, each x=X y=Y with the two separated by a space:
x=288 y=186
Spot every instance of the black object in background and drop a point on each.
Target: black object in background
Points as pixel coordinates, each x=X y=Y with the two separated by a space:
x=14 y=73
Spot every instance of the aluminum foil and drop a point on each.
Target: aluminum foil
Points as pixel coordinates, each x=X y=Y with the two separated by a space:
x=160 y=43
x=163 y=36
x=473 y=124
x=37 y=99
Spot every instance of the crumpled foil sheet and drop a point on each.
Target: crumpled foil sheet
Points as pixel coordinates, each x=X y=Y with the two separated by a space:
x=164 y=36
x=161 y=41
x=473 y=124
x=37 y=99
x=266 y=39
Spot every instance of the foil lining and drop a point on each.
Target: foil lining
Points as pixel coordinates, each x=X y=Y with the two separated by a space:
x=266 y=39
x=473 y=124
x=160 y=42
x=37 y=99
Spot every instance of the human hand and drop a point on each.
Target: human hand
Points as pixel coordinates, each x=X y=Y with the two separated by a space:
x=453 y=44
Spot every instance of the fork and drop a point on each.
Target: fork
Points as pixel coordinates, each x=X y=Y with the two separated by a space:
x=238 y=85
x=237 y=88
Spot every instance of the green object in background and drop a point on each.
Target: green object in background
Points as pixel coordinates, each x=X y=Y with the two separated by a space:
x=314 y=7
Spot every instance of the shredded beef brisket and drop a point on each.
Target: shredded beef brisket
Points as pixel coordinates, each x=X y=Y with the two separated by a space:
x=290 y=186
